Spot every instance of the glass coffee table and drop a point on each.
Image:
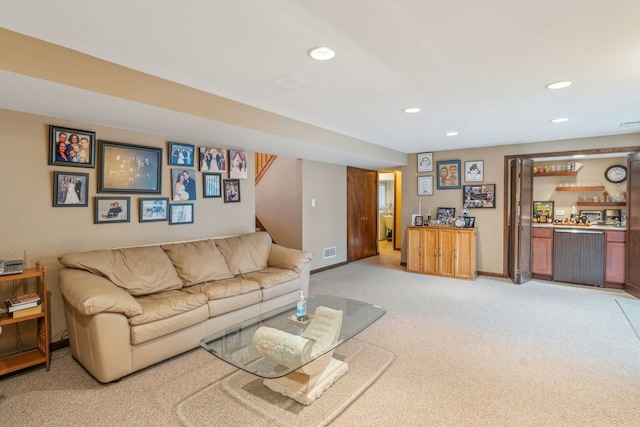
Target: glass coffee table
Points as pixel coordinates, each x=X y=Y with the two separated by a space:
x=295 y=356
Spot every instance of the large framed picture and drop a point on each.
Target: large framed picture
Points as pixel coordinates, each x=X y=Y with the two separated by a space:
x=183 y=185
x=425 y=162
x=543 y=212
x=213 y=160
x=231 y=190
x=448 y=174
x=181 y=154
x=425 y=186
x=128 y=168
x=474 y=171
x=446 y=214
x=154 y=209
x=181 y=213
x=70 y=189
x=71 y=147
x=238 y=164
x=112 y=209
x=479 y=196
x=212 y=185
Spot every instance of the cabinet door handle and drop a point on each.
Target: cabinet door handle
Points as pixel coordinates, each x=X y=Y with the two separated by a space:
x=455 y=253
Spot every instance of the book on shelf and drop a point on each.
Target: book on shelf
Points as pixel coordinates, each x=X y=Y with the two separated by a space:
x=22 y=301
x=25 y=298
x=13 y=308
x=27 y=312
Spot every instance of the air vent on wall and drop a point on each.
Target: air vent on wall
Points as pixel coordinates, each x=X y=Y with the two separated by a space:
x=329 y=252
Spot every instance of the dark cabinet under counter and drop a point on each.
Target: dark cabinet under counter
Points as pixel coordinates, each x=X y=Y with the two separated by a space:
x=578 y=256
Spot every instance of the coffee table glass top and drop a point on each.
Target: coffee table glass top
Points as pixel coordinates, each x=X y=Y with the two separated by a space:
x=235 y=344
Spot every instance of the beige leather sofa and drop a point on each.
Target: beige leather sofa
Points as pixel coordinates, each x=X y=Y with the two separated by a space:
x=129 y=308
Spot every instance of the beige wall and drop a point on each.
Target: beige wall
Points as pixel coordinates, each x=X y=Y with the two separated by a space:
x=279 y=201
x=28 y=220
x=324 y=225
x=489 y=222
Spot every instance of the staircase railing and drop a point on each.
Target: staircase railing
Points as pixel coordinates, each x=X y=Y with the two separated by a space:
x=262 y=163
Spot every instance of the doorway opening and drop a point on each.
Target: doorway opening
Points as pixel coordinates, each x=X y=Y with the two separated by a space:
x=389 y=212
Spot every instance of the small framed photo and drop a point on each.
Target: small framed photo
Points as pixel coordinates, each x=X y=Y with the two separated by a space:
x=72 y=147
x=238 y=164
x=213 y=160
x=474 y=171
x=181 y=213
x=425 y=186
x=212 y=185
x=543 y=212
x=181 y=154
x=479 y=196
x=469 y=221
x=154 y=209
x=418 y=221
x=446 y=214
x=425 y=162
x=128 y=168
x=183 y=185
x=70 y=189
x=112 y=209
x=448 y=174
x=231 y=190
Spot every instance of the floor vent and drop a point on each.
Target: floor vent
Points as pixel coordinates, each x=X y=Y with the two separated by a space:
x=329 y=252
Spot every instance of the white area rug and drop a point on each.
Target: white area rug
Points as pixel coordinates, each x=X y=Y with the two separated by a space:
x=240 y=398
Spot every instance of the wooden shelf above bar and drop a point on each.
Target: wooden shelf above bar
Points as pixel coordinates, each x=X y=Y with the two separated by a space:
x=602 y=204
x=592 y=188
x=555 y=174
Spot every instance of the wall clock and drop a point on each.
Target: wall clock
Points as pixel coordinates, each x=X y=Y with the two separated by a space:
x=616 y=173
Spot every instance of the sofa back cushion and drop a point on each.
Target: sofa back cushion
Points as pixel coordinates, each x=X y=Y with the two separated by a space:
x=198 y=262
x=247 y=252
x=139 y=270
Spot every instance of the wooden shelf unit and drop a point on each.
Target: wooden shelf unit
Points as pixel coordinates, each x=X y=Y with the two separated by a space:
x=602 y=203
x=539 y=174
x=592 y=188
x=40 y=354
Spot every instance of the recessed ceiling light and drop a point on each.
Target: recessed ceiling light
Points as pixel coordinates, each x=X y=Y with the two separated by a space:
x=321 y=53
x=579 y=156
x=412 y=110
x=559 y=85
x=560 y=120
x=451 y=133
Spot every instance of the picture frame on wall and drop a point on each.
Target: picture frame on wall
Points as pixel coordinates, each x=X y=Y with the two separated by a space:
x=129 y=168
x=183 y=185
x=474 y=171
x=181 y=154
x=112 y=209
x=70 y=189
x=154 y=209
x=238 y=164
x=212 y=184
x=180 y=213
x=448 y=174
x=231 y=190
x=425 y=162
x=72 y=147
x=213 y=160
x=479 y=196
x=425 y=186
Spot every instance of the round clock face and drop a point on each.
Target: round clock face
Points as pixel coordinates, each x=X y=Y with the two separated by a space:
x=616 y=173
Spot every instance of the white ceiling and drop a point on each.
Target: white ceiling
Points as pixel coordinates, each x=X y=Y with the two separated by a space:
x=478 y=68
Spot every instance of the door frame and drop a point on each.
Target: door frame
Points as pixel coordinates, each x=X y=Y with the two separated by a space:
x=506 y=190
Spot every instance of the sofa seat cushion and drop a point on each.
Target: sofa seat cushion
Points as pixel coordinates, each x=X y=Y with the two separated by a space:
x=162 y=328
x=165 y=305
x=270 y=277
x=225 y=288
x=198 y=262
x=139 y=270
x=246 y=253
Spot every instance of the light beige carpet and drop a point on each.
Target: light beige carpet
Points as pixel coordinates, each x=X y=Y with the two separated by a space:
x=241 y=398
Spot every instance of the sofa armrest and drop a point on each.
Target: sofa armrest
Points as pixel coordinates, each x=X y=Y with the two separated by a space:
x=292 y=259
x=91 y=294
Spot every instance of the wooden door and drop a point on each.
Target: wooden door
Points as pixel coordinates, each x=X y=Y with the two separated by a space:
x=447 y=243
x=430 y=254
x=542 y=253
x=465 y=254
x=521 y=206
x=632 y=284
x=362 y=213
